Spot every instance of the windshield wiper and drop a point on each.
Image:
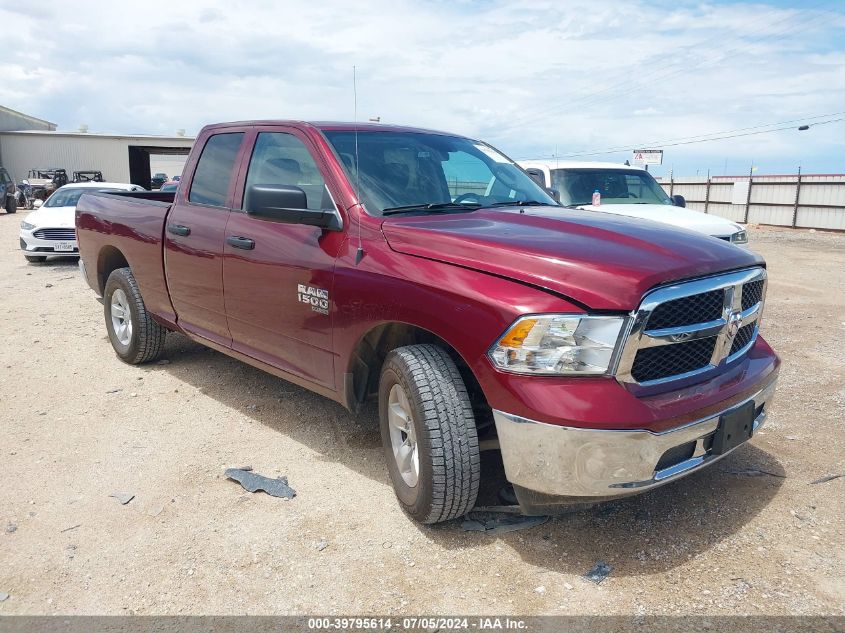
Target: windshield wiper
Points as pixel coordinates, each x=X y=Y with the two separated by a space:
x=436 y=207
x=522 y=203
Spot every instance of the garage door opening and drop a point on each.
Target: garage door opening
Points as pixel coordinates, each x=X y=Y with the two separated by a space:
x=145 y=161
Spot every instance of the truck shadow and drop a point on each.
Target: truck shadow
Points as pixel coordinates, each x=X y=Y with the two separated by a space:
x=652 y=532
x=637 y=536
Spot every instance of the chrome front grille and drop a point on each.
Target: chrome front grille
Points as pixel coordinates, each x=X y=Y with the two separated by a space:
x=655 y=363
x=691 y=328
x=64 y=235
x=695 y=309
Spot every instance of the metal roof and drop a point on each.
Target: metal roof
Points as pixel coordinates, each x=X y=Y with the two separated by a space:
x=140 y=137
x=29 y=117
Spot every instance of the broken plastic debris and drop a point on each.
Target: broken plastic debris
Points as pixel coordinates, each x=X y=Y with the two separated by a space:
x=599 y=572
x=252 y=482
x=123 y=497
x=499 y=522
x=3 y=596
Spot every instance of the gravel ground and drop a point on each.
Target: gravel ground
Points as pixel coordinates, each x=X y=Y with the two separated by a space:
x=751 y=535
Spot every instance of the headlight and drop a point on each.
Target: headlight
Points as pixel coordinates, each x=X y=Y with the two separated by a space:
x=558 y=344
x=740 y=237
x=26 y=226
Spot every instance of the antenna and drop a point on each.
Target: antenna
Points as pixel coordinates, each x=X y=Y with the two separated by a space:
x=360 y=252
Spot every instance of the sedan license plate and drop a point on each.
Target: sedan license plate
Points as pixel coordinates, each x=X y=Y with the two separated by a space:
x=63 y=247
x=735 y=427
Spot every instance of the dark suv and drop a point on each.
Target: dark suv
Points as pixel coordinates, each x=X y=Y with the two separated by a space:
x=8 y=192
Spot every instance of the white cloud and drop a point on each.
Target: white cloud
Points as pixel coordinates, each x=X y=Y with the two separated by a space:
x=531 y=77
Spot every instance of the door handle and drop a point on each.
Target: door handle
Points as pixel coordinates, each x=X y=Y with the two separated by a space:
x=178 y=229
x=240 y=242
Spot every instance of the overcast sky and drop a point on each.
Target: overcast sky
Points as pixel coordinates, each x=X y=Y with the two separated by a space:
x=533 y=78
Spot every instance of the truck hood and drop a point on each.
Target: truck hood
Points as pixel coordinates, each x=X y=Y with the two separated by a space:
x=676 y=216
x=600 y=260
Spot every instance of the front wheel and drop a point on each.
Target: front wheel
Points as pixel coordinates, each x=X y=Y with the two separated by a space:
x=11 y=204
x=135 y=337
x=428 y=433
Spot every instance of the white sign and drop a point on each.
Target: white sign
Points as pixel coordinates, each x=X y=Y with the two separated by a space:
x=647 y=157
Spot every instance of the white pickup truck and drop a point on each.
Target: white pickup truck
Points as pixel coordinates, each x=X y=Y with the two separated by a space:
x=627 y=191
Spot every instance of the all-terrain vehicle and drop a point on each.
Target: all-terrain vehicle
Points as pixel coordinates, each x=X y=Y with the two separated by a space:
x=46 y=180
x=90 y=175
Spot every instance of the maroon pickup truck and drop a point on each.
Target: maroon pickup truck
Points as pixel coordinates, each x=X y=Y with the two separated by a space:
x=602 y=355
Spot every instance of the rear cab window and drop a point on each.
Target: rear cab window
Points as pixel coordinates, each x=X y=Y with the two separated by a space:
x=215 y=168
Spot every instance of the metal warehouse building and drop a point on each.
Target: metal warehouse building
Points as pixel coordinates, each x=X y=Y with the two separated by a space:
x=121 y=158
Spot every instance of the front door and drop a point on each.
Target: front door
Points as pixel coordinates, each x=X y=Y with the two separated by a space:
x=194 y=236
x=278 y=277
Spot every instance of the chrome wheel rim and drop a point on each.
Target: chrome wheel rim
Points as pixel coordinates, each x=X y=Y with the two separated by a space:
x=121 y=317
x=403 y=435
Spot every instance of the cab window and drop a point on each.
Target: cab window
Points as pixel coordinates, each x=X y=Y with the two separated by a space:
x=214 y=169
x=280 y=158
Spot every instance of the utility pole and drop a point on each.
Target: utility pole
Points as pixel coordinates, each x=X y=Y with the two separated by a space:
x=797 y=196
x=748 y=197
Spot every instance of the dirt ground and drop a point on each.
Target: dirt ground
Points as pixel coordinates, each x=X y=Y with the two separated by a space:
x=751 y=535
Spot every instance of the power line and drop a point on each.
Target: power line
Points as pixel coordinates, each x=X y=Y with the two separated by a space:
x=670 y=142
x=703 y=140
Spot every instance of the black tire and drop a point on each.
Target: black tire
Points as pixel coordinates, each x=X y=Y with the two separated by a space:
x=11 y=204
x=146 y=340
x=446 y=437
x=32 y=259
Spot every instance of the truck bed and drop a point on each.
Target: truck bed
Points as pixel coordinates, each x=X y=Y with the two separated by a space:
x=132 y=224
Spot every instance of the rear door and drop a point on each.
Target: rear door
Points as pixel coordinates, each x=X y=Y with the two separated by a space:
x=194 y=237
x=278 y=277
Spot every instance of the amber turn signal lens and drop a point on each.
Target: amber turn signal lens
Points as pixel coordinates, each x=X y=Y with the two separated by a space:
x=516 y=335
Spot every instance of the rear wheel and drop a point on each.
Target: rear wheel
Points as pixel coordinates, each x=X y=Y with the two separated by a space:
x=135 y=337
x=428 y=434
x=11 y=204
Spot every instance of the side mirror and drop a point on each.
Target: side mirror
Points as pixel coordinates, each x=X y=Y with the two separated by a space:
x=554 y=193
x=283 y=203
x=679 y=201
x=37 y=204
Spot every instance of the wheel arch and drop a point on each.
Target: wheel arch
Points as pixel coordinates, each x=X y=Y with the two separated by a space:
x=109 y=259
x=362 y=373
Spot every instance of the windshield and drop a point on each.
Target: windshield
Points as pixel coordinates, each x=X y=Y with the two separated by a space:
x=70 y=196
x=617 y=186
x=403 y=169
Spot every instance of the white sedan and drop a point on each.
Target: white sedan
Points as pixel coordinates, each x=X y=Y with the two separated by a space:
x=51 y=228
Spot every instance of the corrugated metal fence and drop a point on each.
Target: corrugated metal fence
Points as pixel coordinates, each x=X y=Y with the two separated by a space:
x=797 y=200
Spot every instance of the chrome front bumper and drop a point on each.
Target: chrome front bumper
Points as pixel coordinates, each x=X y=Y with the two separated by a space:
x=578 y=463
